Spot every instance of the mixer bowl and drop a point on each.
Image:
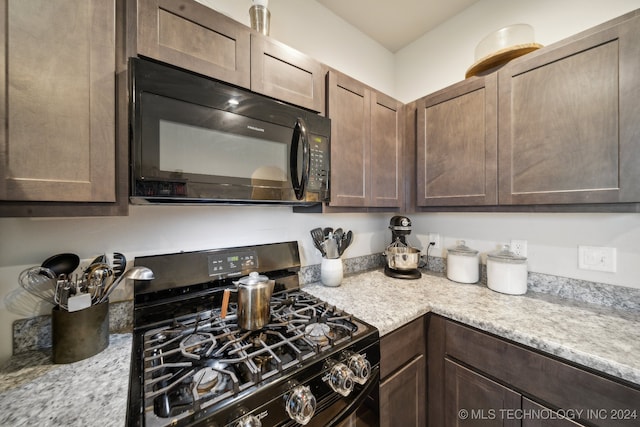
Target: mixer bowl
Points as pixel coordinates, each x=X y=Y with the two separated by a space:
x=402 y=257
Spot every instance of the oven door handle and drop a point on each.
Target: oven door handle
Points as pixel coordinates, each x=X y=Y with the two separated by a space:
x=374 y=381
x=299 y=178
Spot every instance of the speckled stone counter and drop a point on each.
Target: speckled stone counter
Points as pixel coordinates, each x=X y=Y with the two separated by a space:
x=598 y=337
x=93 y=391
x=33 y=391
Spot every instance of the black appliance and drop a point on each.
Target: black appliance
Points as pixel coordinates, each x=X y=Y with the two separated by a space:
x=311 y=364
x=400 y=227
x=195 y=140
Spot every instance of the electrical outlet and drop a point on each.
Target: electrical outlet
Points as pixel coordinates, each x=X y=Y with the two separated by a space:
x=435 y=238
x=597 y=258
x=519 y=247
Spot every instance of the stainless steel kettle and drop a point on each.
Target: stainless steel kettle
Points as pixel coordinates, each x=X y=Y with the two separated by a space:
x=254 y=297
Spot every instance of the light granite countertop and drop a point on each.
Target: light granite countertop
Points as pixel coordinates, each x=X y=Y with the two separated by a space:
x=33 y=391
x=90 y=392
x=598 y=337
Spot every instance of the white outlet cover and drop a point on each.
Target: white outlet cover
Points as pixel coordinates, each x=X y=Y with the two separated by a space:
x=597 y=258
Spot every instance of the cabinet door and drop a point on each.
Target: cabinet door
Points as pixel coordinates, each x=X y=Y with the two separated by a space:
x=402 y=394
x=349 y=110
x=57 y=101
x=457 y=145
x=282 y=72
x=540 y=416
x=190 y=35
x=569 y=126
x=387 y=187
x=474 y=400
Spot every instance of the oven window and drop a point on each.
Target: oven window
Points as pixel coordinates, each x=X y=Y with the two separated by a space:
x=191 y=149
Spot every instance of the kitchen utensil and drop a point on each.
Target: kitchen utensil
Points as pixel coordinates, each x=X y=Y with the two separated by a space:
x=328 y=232
x=346 y=241
x=100 y=259
x=119 y=264
x=98 y=278
x=463 y=264
x=507 y=272
x=62 y=263
x=254 y=295
x=39 y=281
x=330 y=247
x=135 y=273
x=331 y=271
x=317 y=236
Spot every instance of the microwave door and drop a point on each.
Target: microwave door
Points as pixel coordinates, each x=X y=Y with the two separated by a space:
x=212 y=154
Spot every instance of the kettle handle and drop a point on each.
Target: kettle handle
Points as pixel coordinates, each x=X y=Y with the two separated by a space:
x=225 y=303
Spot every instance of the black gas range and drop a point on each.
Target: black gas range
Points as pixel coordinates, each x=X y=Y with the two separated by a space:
x=312 y=364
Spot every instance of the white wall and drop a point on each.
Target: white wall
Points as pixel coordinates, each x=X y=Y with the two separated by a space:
x=307 y=26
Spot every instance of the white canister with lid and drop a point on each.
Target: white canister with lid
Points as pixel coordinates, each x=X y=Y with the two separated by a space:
x=463 y=264
x=507 y=272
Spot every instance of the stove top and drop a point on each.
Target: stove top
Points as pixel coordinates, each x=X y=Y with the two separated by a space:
x=308 y=365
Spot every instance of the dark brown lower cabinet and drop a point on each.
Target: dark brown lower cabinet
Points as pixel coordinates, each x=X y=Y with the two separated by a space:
x=472 y=399
x=477 y=379
x=402 y=397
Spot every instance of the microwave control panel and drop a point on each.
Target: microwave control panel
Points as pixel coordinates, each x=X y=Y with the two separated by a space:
x=319 y=167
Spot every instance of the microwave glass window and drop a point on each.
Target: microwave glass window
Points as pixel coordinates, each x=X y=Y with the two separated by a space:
x=196 y=150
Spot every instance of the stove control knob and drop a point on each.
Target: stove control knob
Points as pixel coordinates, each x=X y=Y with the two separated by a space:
x=341 y=379
x=301 y=404
x=360 y=367
x=248 y=421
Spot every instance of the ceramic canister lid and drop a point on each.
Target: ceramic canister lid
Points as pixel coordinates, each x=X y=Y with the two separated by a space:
x=505 y=255
x=462 y=249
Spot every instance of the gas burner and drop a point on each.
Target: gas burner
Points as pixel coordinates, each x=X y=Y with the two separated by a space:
x=319 y=333
x=205 y=379
x=197 y=345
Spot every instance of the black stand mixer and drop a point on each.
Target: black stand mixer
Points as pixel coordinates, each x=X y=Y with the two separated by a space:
x=402 y=259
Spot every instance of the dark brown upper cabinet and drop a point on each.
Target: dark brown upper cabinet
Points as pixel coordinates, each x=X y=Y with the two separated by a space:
x=366 y=145
x=58 y=146
x=195 y=37
x=457 y=145
x=190 y=35
x=568 y=120
x=283 y=73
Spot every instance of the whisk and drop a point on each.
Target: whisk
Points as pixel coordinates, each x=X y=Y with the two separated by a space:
x=39 y=281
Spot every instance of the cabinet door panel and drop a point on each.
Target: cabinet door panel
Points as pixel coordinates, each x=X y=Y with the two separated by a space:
x=58 y=142
x=565 y=124
x=386 y=152
x=474 y=400
x=402 y=401
x=349 y=105
x=281 y=72
x=195 y=37
x=456 y=145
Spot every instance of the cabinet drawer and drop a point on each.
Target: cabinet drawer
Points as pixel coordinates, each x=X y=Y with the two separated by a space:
x=541 y=376
x=400 y=346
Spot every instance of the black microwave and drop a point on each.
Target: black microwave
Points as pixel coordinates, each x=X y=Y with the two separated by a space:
x=195 y=140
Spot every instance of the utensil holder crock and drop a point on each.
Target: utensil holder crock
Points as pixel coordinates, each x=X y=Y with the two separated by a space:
x=79 y=334
x=331 y=271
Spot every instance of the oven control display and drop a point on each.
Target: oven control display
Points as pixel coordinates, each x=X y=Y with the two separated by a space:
x=232 y=263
